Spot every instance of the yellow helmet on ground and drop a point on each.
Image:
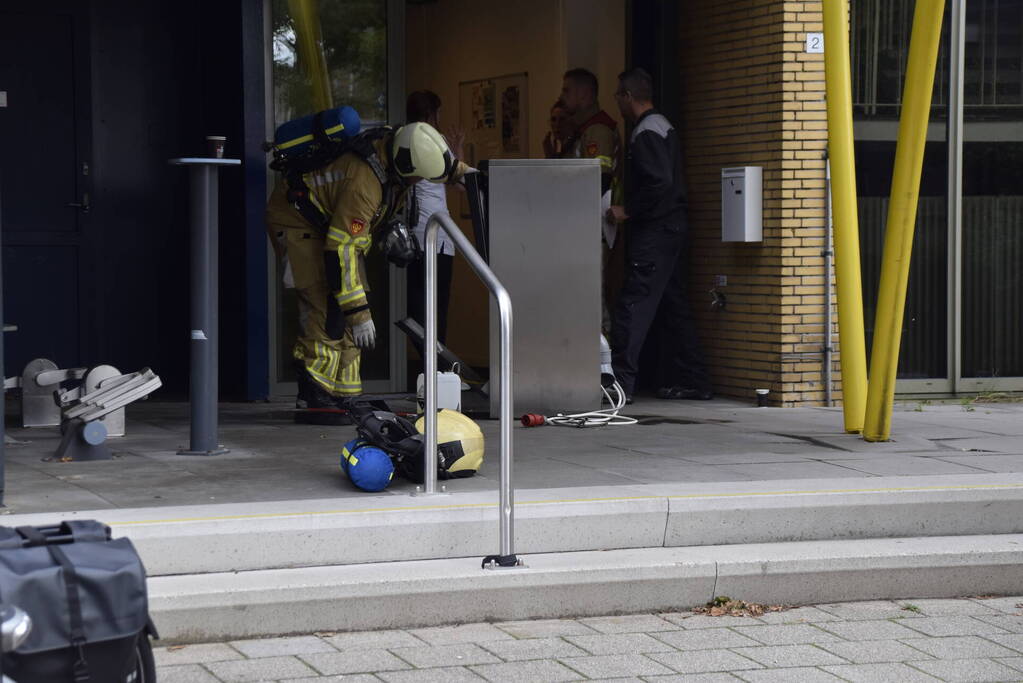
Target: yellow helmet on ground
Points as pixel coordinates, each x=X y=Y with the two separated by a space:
x=459 y=444
x=420 y=151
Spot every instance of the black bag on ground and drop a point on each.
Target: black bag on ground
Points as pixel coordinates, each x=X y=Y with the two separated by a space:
x=86 y=596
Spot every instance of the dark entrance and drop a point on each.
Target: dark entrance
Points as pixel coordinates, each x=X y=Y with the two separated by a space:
x=44 y=181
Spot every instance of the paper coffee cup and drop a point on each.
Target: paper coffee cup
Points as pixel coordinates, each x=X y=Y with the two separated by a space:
x=215 y=146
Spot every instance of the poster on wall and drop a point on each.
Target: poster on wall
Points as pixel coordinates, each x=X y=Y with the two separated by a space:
x=494 y=113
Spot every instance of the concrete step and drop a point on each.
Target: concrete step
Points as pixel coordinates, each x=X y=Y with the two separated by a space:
x=390 y=528
x=226 y=605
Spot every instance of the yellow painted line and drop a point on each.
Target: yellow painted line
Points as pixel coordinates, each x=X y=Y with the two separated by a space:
x=466 y=506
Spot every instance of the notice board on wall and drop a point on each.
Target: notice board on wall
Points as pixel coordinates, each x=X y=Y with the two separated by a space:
x=494 y=113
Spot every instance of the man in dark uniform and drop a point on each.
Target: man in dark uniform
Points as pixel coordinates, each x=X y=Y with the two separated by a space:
x=655 y=206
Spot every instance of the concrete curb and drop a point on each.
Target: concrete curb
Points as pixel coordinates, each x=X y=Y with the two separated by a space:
x=435 y=592
x=288 y=534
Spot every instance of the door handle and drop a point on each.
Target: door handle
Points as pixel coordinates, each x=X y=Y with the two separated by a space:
x=84 y=205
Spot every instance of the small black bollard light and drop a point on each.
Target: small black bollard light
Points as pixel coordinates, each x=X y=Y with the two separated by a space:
x=762 y=397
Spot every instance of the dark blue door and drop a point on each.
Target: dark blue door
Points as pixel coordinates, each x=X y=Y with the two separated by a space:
x=44 y=188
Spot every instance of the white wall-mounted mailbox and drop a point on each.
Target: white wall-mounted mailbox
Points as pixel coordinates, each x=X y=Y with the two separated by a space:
x=742 y=202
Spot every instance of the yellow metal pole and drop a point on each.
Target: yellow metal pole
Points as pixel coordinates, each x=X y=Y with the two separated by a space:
x=309 y=39
x=851 y=336
x=898 y=240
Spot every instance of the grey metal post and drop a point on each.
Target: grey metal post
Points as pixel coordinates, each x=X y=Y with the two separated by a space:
x=205 y=317
x=506 y=513
x=3 y=425
x=430 y=359
x=828 y=255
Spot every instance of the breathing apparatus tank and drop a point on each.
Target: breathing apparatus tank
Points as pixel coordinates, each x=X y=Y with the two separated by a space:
x=298 y=136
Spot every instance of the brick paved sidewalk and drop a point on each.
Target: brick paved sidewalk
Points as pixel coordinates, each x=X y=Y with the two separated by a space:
x=970 y=639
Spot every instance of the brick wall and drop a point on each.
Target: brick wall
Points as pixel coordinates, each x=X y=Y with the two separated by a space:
x=752 y=96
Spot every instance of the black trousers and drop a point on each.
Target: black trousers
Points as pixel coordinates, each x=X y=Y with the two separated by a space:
x=415 y=292
x=655 y=280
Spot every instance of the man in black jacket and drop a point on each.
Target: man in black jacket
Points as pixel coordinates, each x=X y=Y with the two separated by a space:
x=655 y=206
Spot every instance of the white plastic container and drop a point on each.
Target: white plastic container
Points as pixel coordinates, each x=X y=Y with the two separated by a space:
x=449 y=391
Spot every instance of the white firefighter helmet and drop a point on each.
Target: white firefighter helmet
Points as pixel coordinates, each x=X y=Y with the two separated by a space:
x=459 y=443
x=420 y=151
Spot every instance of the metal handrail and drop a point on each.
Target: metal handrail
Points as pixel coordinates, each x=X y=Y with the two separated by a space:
x=441 y=220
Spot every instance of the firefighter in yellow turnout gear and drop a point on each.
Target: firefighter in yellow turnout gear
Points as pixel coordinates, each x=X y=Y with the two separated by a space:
x=357 y=195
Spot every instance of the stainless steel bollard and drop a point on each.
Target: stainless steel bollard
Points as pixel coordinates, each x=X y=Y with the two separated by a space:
x=506 y=512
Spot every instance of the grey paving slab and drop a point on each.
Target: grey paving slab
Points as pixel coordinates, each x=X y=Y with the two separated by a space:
x=611 y=666
x=1013 y=641
x=799 y=615
x=620 y=643
x=907 y=465
x=787 y=634
x=688 y=620
x=186 y=673
x=629 y=623
x=363 y=661
x=989 y=463
x=354 y=678
x=794 y=675
x=879 y=673
x=868 y=609
x=441 y=675
x=952 y=626
x=706 y=639
x=554 y=474
x=1013 y=662
x=968 y=670
x=462 y=654
x=959 y=647
x=874 y=651
x=870 y=629
x=995 y=444
x=676 y=470
x=1008 y=604
x=773 y=656
x=534 y=648
x=467 y=633
x=276 y=647
x=544 y=628
x=527 y=672
x=264 y=669
x=944 y=608
x=804 y=470
x=1008 y=622
x=373 y=640
x=194 y=654
x=705 y=661
x=695 y=678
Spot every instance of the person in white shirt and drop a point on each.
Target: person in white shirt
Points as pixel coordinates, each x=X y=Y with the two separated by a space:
x=424 y=105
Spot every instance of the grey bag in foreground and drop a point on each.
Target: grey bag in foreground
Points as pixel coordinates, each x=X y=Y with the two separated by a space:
x=86 y=596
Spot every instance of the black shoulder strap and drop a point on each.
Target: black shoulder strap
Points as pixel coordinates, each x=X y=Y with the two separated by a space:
x=298 y=196
x=319 y=131
x=34 y=537
x=81 y=667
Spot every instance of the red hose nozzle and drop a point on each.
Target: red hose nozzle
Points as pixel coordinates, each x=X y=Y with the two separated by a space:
x=533 y=420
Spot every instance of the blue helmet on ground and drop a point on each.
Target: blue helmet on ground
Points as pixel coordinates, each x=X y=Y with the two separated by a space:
x=368 y=467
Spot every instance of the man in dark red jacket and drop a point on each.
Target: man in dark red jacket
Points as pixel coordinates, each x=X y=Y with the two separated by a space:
x=655 y=206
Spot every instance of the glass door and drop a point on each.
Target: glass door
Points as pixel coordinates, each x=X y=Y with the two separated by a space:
x=963 y=325
x=991 y=268
x=880 y=31
x=354 y=37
